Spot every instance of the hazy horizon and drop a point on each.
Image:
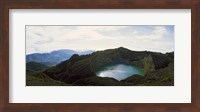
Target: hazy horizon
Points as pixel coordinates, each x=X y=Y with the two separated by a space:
x=91 y=50
x=45 y=39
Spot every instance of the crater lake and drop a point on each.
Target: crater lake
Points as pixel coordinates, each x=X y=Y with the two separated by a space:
x=119 y=71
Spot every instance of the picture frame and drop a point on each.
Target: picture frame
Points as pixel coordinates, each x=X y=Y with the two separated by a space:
x=5 y=106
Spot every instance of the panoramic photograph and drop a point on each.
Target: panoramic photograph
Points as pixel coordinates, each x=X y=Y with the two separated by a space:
x=100 y=55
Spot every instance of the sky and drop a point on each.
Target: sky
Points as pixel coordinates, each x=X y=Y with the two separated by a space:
x=40 y=39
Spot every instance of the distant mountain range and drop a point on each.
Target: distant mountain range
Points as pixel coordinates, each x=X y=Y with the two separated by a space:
x=54 y=57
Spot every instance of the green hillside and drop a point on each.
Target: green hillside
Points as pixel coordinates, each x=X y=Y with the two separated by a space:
x=35 y=66
x=43 y=80
x=35 y=77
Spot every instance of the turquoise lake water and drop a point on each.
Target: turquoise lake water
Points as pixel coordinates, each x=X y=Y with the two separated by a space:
x=119 y=71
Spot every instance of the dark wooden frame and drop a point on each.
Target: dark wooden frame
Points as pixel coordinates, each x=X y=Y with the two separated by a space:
x=5 y=106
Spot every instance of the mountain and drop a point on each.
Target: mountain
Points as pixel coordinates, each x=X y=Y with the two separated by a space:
x=54 y=57
x=81 y=70
x=35 y=77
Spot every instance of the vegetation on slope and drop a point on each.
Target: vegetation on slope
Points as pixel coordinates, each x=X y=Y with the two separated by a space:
x=43 y=80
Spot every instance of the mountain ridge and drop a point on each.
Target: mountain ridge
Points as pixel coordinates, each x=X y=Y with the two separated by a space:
x=81 y=67
x=54 y=57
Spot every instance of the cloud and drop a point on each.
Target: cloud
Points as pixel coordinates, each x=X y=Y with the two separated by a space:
x=49 y=38
x=44 y=41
